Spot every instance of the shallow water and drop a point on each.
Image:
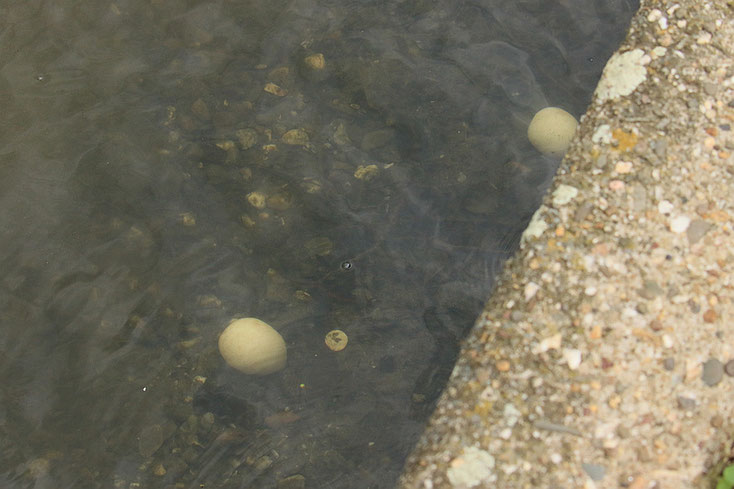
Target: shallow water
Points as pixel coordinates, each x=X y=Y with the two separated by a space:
x=131 y=137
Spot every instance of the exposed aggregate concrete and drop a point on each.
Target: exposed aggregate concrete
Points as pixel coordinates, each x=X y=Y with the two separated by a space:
x=604 y=357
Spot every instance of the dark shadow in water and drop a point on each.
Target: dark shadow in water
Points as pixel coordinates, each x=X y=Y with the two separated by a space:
x=136 y=140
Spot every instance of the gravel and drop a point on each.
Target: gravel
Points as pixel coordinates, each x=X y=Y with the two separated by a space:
x=713 y=372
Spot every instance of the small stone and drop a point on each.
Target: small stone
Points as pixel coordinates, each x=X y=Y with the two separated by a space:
x=679 y=224
x=293 y=482
x=536 y=227
x=530 y=290
x=693 y=370
x=150 y=440
x=159 y=470
x=263 y=463
x=503 y=365
x=366 y=172
x=665 y=207
x=274 y=89
x=511 y=414
x=614 y=402
x=319 y=246
x=669 y=364
x=596 y=332
x=654 y=15
x=315 y=61
x=686 y=403
x=583 y=211
x=639 y=482
x=471 y=468
x=311 y=186
x=39 y=467
x=256 y=199
x=550 y=343
x=626 y=243
x=729 y=368
x=713 y=371
x=247 y=138
x=616 y=185
x=186 y=344
x=623 y=167
x=564 y=194
x=623 y=431
x=295 y=137
x=639 y=198
x=280 y=74
x=340 y=135
x=650 y=289
x=200 y=109
x=572 y=357
x=622 y=74
x=594 y=471
x=188 y=219
x=207 y=421
x=225 y=145
x=661 y=148
x=709 y=316
x=247 y=221
x=704 y=37
x=625 y=480
x=696 y=230
x=717 y=421
x=280 y=202
x=209 y=300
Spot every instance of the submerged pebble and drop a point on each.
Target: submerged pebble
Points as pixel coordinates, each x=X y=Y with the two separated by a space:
x=252 y=347
x=315 y=61
x=551 y=131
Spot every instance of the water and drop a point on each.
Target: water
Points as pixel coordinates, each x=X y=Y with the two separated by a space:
x=133 y=133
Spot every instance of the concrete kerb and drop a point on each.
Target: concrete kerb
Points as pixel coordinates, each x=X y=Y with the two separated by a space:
x=605 y=356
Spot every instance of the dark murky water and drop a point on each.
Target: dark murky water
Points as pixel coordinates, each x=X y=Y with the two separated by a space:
x=135 y=138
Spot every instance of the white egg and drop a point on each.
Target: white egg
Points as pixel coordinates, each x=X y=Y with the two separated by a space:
x=551 y=131
x=253 y=347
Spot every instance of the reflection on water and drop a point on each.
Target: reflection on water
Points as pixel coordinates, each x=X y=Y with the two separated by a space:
x=166 y=165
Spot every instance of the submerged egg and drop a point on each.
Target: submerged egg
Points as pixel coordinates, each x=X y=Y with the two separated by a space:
x=551 y=131
x=253 y=347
